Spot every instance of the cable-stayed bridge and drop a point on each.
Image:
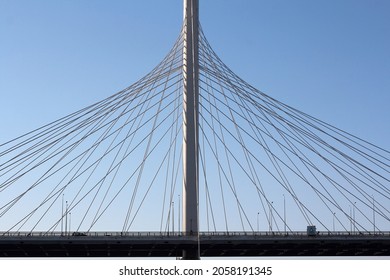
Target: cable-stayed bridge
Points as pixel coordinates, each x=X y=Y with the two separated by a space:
x=192 y=158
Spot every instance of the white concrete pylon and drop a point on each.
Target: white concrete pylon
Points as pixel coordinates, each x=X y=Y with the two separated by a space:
x=190 y=121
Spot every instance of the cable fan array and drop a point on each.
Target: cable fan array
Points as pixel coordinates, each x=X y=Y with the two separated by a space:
x=263 y=165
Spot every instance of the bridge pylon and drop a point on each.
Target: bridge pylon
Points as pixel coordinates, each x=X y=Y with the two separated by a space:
x=190 y=124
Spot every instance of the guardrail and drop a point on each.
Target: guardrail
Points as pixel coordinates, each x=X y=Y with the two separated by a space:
x=142 y=234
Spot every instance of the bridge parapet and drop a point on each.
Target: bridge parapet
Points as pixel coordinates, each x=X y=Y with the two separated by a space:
x=156 y=244
x=202 y=235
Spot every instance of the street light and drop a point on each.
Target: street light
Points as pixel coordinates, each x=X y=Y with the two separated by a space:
x=350 y=217
x=173 y=217
x=373 y=211
x=284 y=214
x=62 y=215
x=258 y=213
x=334 y=214
x=271 y=216
x=354 y=221
x=178 y=211
x=70 y=222
x=66 y=217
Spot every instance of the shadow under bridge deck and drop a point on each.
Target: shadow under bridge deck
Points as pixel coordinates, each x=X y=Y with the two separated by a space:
x=211 y=244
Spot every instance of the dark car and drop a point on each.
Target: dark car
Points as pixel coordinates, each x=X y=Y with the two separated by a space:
x=79 y=234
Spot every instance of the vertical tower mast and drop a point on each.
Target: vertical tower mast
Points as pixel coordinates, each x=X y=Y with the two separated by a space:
x=190 y=122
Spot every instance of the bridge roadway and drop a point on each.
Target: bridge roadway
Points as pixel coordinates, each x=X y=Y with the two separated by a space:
x=216 y=244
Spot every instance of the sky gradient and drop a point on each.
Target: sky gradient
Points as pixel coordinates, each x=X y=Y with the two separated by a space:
x=327 y=58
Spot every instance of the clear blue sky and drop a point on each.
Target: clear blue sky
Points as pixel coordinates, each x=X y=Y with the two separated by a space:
x=328 y=58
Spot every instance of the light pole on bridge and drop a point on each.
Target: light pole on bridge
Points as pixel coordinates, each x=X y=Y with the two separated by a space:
x=354 y=221
x=373 y=211
x=334 y=216
x=284 y=214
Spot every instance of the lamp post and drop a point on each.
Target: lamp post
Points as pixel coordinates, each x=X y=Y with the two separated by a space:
x=62 y=216
x=334 y=215
x=350 y=217
x=178 y=220
x=354 y=221
x=66 y=217
x=70 y=222
x=284 y=214
x=270 y=216
x=373 y=211
x=258 y=213
x=173 y=217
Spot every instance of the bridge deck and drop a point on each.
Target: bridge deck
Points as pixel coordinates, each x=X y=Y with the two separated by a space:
x=151 y=244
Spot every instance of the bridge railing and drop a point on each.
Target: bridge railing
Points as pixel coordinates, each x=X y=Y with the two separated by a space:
x=146 y=234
